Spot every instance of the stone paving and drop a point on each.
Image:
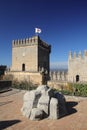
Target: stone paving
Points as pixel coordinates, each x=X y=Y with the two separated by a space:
x=11 y=117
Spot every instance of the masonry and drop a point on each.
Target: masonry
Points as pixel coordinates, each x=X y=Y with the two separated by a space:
x=31 y=62
x=76 y=73
x=30 y=57
x=77 y=67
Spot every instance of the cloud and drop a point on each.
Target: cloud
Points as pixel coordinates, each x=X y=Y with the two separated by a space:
x=58 y=65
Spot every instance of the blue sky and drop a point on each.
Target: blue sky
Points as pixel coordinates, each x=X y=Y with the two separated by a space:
x=63 y=24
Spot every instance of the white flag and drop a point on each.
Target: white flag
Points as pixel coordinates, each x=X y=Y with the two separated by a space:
x=37 y=30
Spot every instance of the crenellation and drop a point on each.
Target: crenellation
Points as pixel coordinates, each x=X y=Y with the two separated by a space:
x=80 y=54
x=31 y=41
x=77 y=67
x=58 y=75
x=24 y=42
x=85 y=52
x=74 y=56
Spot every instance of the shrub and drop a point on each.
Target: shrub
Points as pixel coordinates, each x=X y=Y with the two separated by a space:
x=75 y=89
x=69 y=87
x=81 y=89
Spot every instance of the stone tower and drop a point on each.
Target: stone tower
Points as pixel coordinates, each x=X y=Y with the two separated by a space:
x=77 y=67
x=30 y=55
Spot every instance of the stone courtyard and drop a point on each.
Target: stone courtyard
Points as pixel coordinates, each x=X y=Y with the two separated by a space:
x=11 y=117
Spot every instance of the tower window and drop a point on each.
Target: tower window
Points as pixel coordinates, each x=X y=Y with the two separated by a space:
x=77 y=78
x=23 y=67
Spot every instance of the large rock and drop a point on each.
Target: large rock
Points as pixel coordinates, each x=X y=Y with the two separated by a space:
x=36 y=114
x=30 y=101
x=43 y=102
x=62 y=104
x=54 y=109
x=42 y=88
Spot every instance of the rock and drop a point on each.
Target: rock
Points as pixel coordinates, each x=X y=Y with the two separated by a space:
x=43 y=102
x=54 y=109
x=42 y=88
x=30 y=101
x=36 y=114
x=62 y=104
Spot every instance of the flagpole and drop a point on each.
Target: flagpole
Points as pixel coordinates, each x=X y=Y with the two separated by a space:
x=36 y=34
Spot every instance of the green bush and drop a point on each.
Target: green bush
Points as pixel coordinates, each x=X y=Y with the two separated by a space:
x=66 y=92
x=63 y=91
x=76 y=89
x=80 y=89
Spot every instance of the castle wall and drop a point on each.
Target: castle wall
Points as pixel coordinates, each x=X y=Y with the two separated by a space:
x=35 y=78
x=77 y=67
x=32 y=53
x=25 y=52
x=58 y=79
x=30 y=57
x=58 y=76
x=24 y=55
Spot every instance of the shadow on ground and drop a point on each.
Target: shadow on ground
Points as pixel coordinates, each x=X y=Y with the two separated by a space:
x=8 y=123
x=70 y=107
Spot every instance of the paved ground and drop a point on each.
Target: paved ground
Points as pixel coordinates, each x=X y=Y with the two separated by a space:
x=11 y=117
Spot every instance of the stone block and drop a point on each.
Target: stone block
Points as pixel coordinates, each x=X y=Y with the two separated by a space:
x=43 y=104
x=30 y=102
x=54 y=109
x=36 y=114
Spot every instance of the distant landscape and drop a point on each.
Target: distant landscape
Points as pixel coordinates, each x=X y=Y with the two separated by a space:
x=59 y=66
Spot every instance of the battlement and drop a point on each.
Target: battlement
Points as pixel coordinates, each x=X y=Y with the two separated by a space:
x=35 y=40
x=25 y=42
x=77 y=55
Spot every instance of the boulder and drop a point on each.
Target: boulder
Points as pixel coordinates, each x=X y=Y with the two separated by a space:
x=54 y=109
x=62 y=104
x=43 y=102
x=30 y=101
x=36 y=114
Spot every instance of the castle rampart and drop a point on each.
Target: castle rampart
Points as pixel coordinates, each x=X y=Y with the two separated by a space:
x=58 y=75
x=29 y=57
x=74 y=56
x=31 y=41
x=77 y=67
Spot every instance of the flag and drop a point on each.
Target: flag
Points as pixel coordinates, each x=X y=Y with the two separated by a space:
x=37 y=30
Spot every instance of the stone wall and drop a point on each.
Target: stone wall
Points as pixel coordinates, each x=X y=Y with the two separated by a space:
x=58 y=79
x=30 y=54
x=60 y=85
x=58 y=75
x=77 y=67
x=29 y=57
x=35 y=78
x=26 y=56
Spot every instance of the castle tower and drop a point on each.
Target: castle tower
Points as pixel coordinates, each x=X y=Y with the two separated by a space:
x=77 y=66
x=30 y=55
